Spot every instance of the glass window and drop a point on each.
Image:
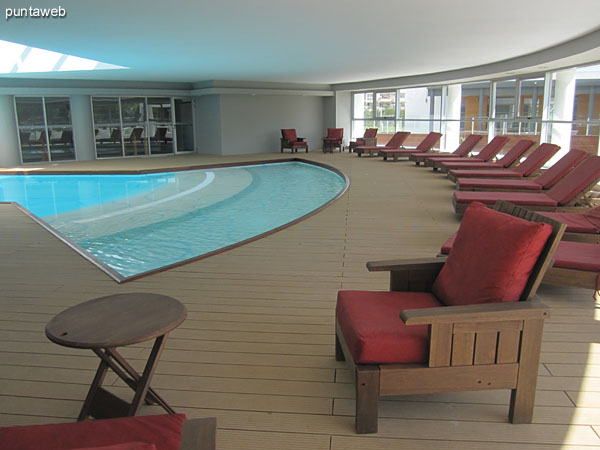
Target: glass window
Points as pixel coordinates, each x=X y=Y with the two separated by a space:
x=107 y=127
x=474 y=108
x=161 y=129
x=45 y=130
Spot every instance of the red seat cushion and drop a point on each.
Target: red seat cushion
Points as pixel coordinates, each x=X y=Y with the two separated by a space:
x=576 y=223
x=518 y=198
x=594 y=217
x=491 y=259
x=164 y=431
x=577 y=256
x=495 y=173
x=498 y=183
x=372 y=328
x=576 y=181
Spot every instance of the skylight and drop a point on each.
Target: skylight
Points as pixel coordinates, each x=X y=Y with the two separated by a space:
x=17 y=58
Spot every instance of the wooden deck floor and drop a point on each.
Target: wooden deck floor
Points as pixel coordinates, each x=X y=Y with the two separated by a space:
x=257 y=348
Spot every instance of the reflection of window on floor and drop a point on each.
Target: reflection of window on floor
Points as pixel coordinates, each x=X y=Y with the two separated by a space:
x=135 y=126
x=45 y=130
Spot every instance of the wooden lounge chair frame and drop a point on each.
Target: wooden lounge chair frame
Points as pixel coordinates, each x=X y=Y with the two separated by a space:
x=425 y=146
x=461 y=151
x=395 y=142
x=471 y=348
x=579 y=199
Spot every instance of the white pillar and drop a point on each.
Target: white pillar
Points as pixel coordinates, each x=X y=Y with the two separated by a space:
x=342 y=114
x=452 y=134
x=564 y=100
x=10 y=154
x=83 y=129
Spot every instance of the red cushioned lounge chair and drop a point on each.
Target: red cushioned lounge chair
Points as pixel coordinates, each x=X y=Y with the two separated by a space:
x=545 y=181
x=462 y=150
x=581 y=227
x=289 y=139
x=486 y=154
x=463 y=323
x=426 y=145
x=394 y=143
x=501 y=169
x=334 y=139
x=158 y=432
x=369 y=139
x=509 y=159
x=567 y=192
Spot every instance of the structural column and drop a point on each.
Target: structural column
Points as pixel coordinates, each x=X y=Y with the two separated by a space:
x=453 y=100
x=564 y=100
x=83 y=128
x=9 y=144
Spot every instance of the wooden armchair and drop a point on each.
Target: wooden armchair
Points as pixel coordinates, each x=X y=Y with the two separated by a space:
x=368 y=139
x=464 y=323
x=289 y=139
x=334 y=139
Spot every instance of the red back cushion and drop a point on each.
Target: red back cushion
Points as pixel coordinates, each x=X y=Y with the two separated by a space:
x=335 y=133
x=467 y=145
x=289 y=134
x=493 y=147
x=492 y=257
x=537 y=159
x=515 y=153
x=561 y=168
x=576 y=181
x=370 y=132
x=427 y=144
x=397 y=139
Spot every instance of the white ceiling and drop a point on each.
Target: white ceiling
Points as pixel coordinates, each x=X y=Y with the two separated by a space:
x=308 y=41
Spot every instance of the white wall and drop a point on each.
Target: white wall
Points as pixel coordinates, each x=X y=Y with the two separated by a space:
x=9 y=143
x=208 y=124
x=253 y=123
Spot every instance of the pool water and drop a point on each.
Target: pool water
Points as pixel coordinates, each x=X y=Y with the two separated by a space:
x=139 y=223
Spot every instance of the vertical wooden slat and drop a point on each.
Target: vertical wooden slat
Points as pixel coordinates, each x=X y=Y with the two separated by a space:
x=485 y=348
x=440 y=349
x=508 y=346
x=462 y=349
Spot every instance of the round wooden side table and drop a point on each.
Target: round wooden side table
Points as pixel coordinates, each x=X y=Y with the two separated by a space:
x=105 y=323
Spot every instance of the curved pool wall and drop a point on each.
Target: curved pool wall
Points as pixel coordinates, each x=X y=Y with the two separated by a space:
x=176 y=216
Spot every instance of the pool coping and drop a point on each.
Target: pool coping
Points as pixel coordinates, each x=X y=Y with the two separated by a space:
x=120 y=278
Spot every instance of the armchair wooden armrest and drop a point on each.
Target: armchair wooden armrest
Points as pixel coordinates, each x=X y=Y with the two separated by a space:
x=487 y=312
x=411 y=275
x=300 y=139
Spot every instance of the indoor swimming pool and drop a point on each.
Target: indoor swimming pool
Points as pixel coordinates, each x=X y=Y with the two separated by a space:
x=134 y=224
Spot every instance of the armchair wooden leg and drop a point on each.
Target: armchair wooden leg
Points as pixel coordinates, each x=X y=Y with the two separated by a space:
x=522 y=397
x=367 y=399
x=339 y=353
